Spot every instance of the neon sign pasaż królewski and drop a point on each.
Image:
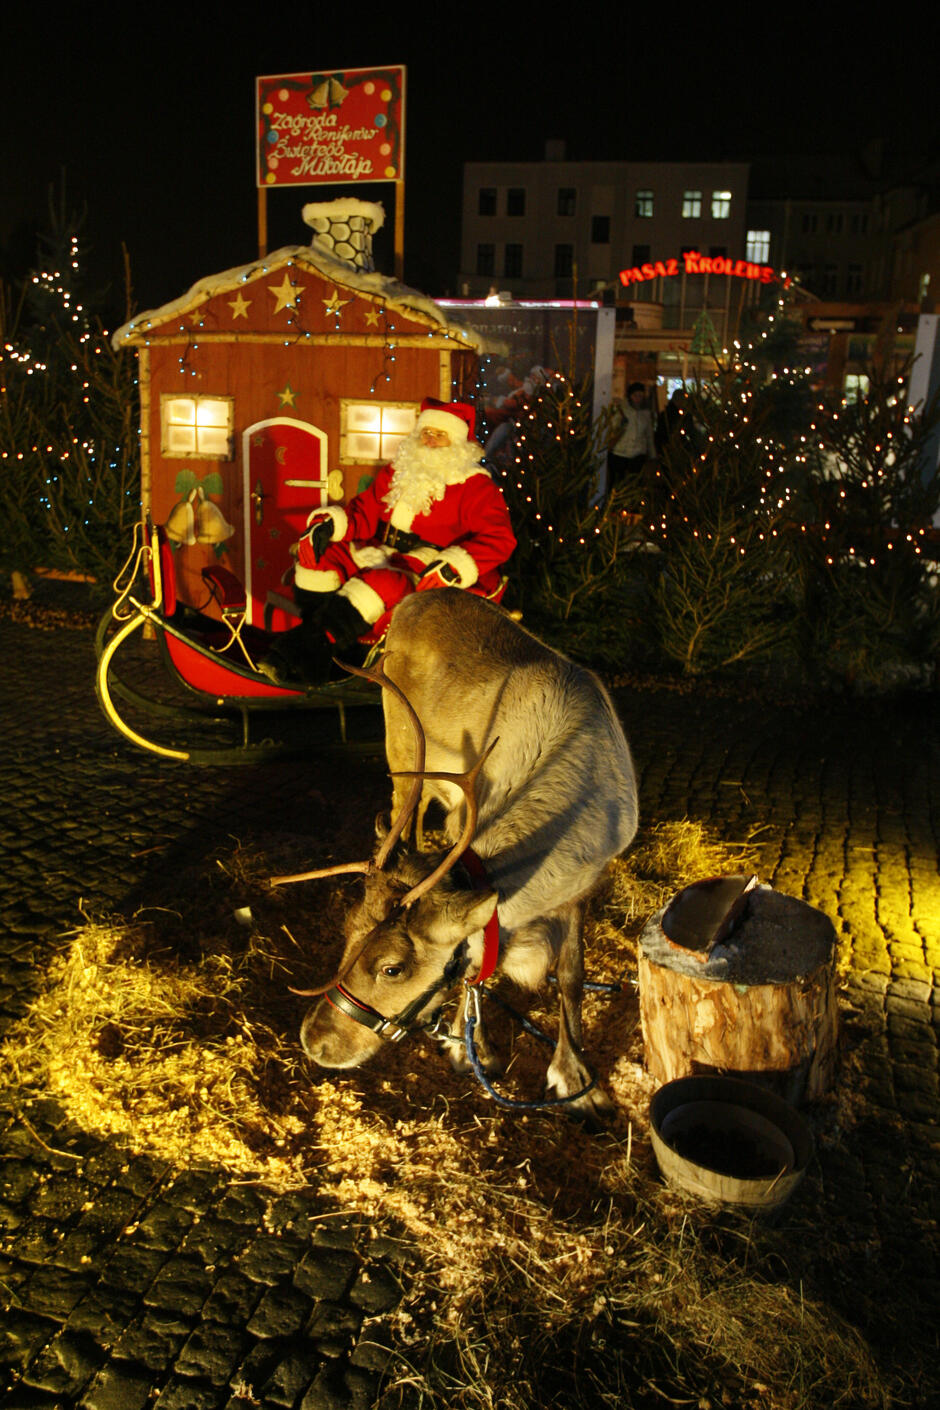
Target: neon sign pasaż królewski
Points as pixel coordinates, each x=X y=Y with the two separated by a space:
x=691 y=262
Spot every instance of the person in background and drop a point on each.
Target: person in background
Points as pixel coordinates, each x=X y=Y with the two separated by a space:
x=670 y=417
x=634 y=444
x=433 y=518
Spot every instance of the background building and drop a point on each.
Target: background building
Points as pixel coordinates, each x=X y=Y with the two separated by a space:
x=859 y=236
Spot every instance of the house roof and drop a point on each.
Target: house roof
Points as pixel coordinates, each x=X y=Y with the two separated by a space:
x=375 y=288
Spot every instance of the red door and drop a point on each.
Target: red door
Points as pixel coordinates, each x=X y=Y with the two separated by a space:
x=285 y=470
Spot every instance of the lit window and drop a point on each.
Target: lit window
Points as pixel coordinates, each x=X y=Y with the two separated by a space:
x=923 y=285
x=644 y=204
x=370 y=432
x=856 y=387
x=758 y=246
x=721 y=205
x=691 y=204
x=197 y=426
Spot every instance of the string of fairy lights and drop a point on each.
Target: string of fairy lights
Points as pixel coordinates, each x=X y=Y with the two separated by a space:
x=288 y=299
x=829 y=449
x=57 y=307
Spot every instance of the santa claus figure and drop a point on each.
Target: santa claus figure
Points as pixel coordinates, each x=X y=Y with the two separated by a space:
x=431 y=519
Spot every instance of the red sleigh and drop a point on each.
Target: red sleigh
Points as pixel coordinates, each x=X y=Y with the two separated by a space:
x=215 y=660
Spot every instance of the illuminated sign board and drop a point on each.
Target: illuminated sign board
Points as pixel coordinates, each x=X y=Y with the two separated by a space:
x=343 y=126
x=691 y=262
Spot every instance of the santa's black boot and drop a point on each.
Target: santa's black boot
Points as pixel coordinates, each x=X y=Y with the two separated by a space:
x=342 y=623
x=301 y=655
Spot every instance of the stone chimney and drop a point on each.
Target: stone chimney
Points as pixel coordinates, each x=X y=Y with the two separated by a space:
x=344 y=229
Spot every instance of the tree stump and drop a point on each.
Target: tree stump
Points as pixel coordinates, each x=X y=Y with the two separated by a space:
x=760 y=1006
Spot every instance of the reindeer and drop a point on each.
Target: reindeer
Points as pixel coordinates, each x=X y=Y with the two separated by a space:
x=524 y=751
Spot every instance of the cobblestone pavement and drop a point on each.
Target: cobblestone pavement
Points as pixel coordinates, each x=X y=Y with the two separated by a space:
x=222 y=1288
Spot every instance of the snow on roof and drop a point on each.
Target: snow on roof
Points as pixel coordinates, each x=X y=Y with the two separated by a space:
x=377 y=286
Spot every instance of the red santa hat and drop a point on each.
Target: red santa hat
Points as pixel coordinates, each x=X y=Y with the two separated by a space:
x=455 y=418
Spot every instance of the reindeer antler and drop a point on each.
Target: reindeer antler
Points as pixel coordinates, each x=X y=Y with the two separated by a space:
x=378 y=676
x=467 y=781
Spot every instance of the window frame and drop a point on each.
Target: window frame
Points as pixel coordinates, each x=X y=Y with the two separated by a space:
x=166 y=424
x=388 y=441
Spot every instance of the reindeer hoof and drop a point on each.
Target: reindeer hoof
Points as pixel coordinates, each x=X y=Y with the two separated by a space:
x=595 y=1109
x=488 y=1060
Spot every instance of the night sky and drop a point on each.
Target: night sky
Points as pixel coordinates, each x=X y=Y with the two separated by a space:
x=152 y=121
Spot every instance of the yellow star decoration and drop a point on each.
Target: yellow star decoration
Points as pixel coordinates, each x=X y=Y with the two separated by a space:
x=286 y=294
x=197 y=315
x=287 y=396
x=239 y=306
x=334 y=303
x=373 y=314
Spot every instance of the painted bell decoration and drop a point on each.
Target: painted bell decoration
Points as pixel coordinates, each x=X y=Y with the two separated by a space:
x=211 y=524
x=320 y=95
x=181 y=525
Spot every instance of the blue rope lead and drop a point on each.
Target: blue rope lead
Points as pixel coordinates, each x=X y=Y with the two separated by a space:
x=481 y=1076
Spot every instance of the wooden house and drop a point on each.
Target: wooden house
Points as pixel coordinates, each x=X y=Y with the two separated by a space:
x=269 y=389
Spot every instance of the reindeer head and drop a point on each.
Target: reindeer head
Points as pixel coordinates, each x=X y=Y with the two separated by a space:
x=405 y=938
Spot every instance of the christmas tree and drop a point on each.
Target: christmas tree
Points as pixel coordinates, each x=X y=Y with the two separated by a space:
x=69 y=463
x=572 y=572
x=716 y=505
x=866 y=551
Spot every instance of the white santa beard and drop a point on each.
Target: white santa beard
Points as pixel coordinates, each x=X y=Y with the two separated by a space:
x=421 y=474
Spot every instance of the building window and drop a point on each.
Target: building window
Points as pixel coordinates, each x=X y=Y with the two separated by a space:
x=564 y=261
x=859 y=223
x=853 y=279
x=721 y=205
x=830 y=278
x=486 y=259
x=923 y=286
x=719 y=251
x=567 y=200
x=512 y=262
x=200 y=427
x=758 y=246
x=644 y=204
x=855 y=388
x=600 y=229
x=641 y=254
x=809 y=223
x=486 y=201
x=515 y=200
x=691 y=205
x=370 y=432
x=834 y=223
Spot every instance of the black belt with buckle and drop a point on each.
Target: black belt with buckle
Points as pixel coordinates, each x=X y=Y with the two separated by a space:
x=404 y=542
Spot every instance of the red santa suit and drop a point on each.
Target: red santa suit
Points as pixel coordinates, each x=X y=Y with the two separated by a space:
x=432 y=518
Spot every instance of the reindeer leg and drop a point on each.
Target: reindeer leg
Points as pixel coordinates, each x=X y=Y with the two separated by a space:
x=490 y=1060
x=568 y=1071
